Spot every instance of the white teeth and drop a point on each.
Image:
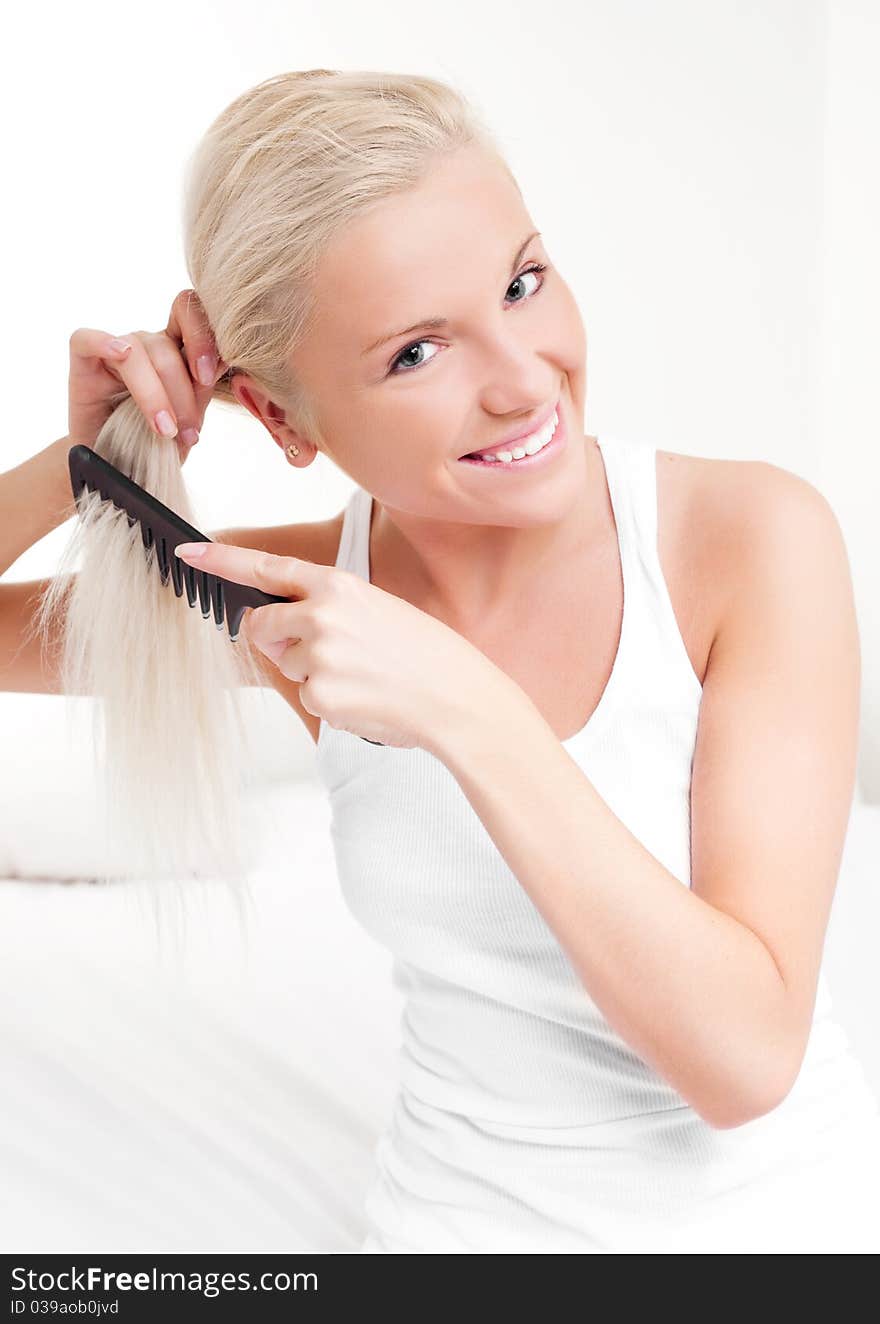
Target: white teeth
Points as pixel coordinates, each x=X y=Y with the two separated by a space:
x=535 y=444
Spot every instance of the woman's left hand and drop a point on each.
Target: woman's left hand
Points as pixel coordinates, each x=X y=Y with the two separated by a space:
x=367 y=661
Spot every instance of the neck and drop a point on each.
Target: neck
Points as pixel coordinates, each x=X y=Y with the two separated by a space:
x=468 y=574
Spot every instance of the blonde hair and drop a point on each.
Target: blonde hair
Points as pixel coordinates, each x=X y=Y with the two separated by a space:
x=278 y=174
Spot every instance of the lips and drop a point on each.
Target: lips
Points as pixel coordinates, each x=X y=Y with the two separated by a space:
x=529 y=464
x=512 y=441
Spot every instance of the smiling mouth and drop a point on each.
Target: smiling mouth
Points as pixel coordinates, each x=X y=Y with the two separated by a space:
x=519 y=452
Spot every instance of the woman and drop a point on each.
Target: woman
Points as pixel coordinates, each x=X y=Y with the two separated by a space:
x=587 y=712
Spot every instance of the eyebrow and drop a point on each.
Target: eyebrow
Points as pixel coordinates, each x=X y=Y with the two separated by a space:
x=434 y=323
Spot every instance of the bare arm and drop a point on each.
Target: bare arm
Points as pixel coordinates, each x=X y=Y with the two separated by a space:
x=35 y=497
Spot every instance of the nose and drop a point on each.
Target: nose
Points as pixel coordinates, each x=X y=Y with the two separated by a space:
x=518 y=382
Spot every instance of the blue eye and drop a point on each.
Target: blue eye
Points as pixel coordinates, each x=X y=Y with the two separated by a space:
x=397 y=366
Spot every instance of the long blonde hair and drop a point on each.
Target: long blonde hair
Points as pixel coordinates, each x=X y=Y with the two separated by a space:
x=278 y=174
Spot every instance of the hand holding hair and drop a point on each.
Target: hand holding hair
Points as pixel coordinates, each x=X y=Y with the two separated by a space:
x=169 y=374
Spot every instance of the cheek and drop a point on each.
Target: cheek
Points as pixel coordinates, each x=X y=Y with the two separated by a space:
x=394 y=433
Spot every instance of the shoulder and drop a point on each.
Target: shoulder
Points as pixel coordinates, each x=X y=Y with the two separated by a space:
x=772 y=525
x=748 y=522
x=741 y=496
x=737 y=494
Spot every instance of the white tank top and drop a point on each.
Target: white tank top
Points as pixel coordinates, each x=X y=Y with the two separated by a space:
x=523 y=1121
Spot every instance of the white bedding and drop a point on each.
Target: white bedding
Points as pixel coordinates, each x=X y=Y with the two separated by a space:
x=229 y=1099
x=225 y=1101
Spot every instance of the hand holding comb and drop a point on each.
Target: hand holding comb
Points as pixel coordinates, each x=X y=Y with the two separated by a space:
x=161 y=528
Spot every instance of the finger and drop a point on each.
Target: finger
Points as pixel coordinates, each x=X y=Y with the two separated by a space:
x=275 y=625
x=174 y=373
x=288 y=655
x=189 y=327
x=275 y=650
x=292 y=660
x=87 y=343
x=278 y=630
x=287 y=576
x=143 y=383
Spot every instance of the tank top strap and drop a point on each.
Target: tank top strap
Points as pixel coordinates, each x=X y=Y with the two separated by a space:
x=621 y=474
x=631 y=468
x=632 y=482
x=354 y=541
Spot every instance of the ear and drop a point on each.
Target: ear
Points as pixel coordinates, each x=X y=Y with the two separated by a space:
x=248 y=394
x=267 y=412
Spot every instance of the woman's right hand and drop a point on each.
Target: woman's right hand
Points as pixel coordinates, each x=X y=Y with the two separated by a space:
x=159 y=370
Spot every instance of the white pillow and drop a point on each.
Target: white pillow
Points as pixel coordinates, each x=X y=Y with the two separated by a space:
x=50 y=787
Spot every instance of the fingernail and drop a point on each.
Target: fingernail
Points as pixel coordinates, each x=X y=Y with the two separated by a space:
x=165 y=423
x=190 y=549
x=190 y=436
x=206 y=366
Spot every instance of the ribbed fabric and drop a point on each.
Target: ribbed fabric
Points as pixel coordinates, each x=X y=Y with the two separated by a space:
x=523 y=1121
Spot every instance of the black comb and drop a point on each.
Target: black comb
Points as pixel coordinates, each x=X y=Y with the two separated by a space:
x=163 y=529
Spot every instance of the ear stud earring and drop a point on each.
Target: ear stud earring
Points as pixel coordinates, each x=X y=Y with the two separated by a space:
x=292 y=451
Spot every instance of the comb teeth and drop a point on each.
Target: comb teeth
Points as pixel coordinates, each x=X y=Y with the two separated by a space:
x=219 y=599
x=201 y=587
x=177 y=575
x=162 y=558
x=204 y=593
x=189 y=580
x=161 y=531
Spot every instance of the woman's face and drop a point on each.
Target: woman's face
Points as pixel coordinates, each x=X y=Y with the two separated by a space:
x=398 y=415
